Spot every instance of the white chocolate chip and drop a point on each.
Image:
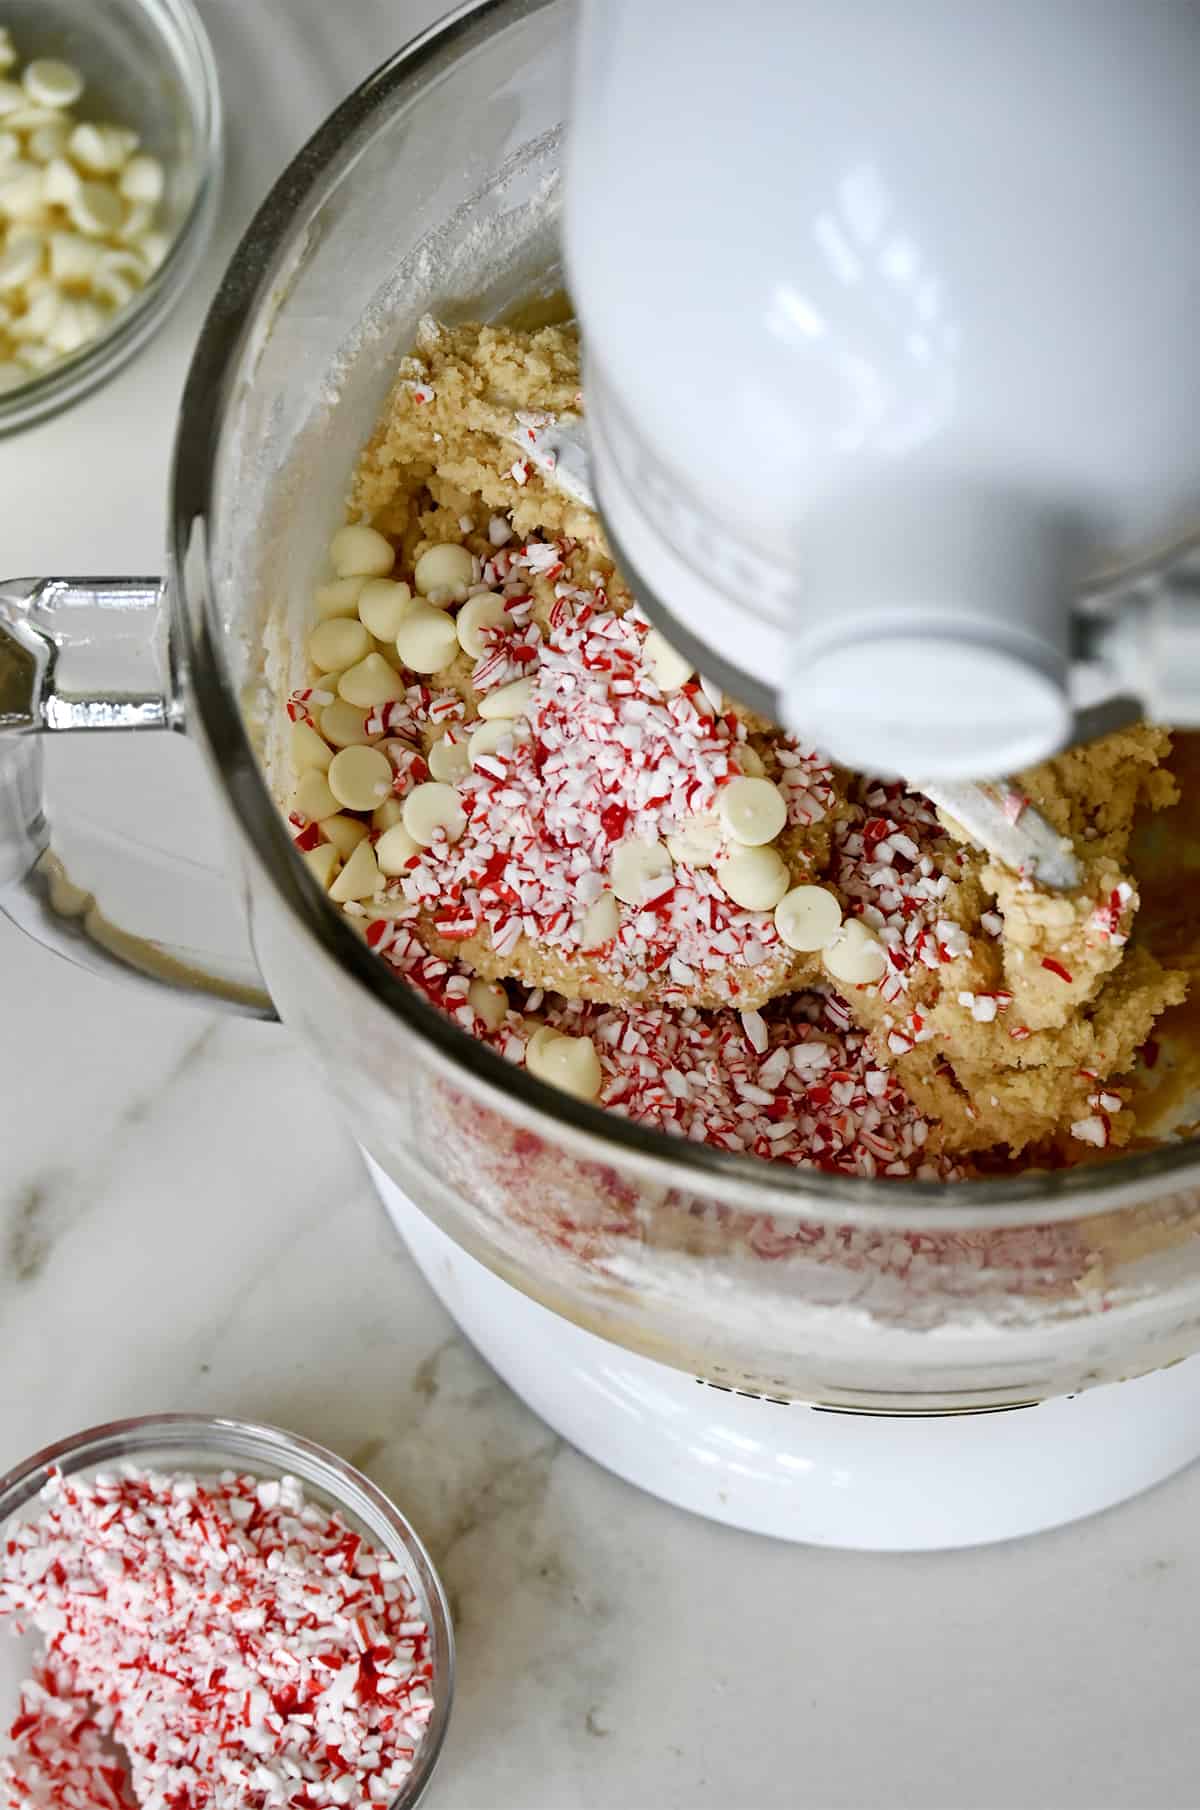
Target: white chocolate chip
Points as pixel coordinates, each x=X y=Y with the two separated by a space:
x=426 y=641
x=697 y=842
x=23 y=190
x=489 y=1002
x=96 y=209
x=383 y=604
x=444 y=572
x=48 y=141
x=312 y=797
x=855 y=955
x=101 y=150
x=570 y=1063
x=573 y=1064
x=32 y=118
x=507 y=700
x=601 y=921
x=338 y=598
x=370 y=682
x=308 y=749
x=360 y=778
x=540 y=1037
x=12 y=97
x=345 y=833
x=808 y=918
x=338 y=643
x=357 y=551
x=321 y=862
x=750 y=761
x=73 y=258
x=478 y=613
x=123 y=141
x=49 y=83
x=344 y=725
x=667 y=668
x=500 y=736
x=754 y=878
x=10 y=149
x=120 y=260
x=76 y=324
x=634 y=866
x=28 y=118
x=20 y=263
x=143 y=179
x=752 y=810
x=360 y=878
x=395 y=849
x=431 y=808
x=38 y=320
x=63 y=182
x=387 y=815
x=448 y=758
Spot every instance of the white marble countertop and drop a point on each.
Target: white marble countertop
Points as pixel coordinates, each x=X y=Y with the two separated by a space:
x=183 y=1224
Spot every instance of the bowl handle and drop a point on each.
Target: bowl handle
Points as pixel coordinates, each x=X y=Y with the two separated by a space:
x=87 y=654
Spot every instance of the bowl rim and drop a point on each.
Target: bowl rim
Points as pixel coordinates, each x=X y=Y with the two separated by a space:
x=138 y=320
x=589 y=1132
x=118 y=1441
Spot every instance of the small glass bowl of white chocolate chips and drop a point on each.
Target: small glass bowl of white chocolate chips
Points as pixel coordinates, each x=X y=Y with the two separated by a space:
x=109 y=158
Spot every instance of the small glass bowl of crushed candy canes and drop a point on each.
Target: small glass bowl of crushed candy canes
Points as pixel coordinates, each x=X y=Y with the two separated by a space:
x=196 y=1602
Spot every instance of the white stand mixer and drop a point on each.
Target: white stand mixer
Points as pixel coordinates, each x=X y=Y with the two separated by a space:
x=891 y=361
x=892 y=381
x=889 y=316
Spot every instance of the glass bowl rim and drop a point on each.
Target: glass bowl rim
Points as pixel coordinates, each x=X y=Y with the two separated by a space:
x=249 y=290
x=106 y=1444
x=134 y=324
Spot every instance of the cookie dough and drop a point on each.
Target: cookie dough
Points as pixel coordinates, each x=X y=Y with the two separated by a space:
x=594 y=860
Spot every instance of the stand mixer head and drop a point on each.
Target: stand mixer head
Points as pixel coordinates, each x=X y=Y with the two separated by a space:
x=891 y=359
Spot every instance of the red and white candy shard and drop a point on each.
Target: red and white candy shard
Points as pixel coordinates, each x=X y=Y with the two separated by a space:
x=210 y=1644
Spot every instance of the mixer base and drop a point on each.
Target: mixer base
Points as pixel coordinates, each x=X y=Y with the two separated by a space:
x=800 y=1472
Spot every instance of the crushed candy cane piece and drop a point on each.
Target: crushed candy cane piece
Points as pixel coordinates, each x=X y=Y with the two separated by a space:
x=1092 y=1130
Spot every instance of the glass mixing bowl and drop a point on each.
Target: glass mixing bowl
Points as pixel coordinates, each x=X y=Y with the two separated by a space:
x=148 y=65
x=436 y=186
